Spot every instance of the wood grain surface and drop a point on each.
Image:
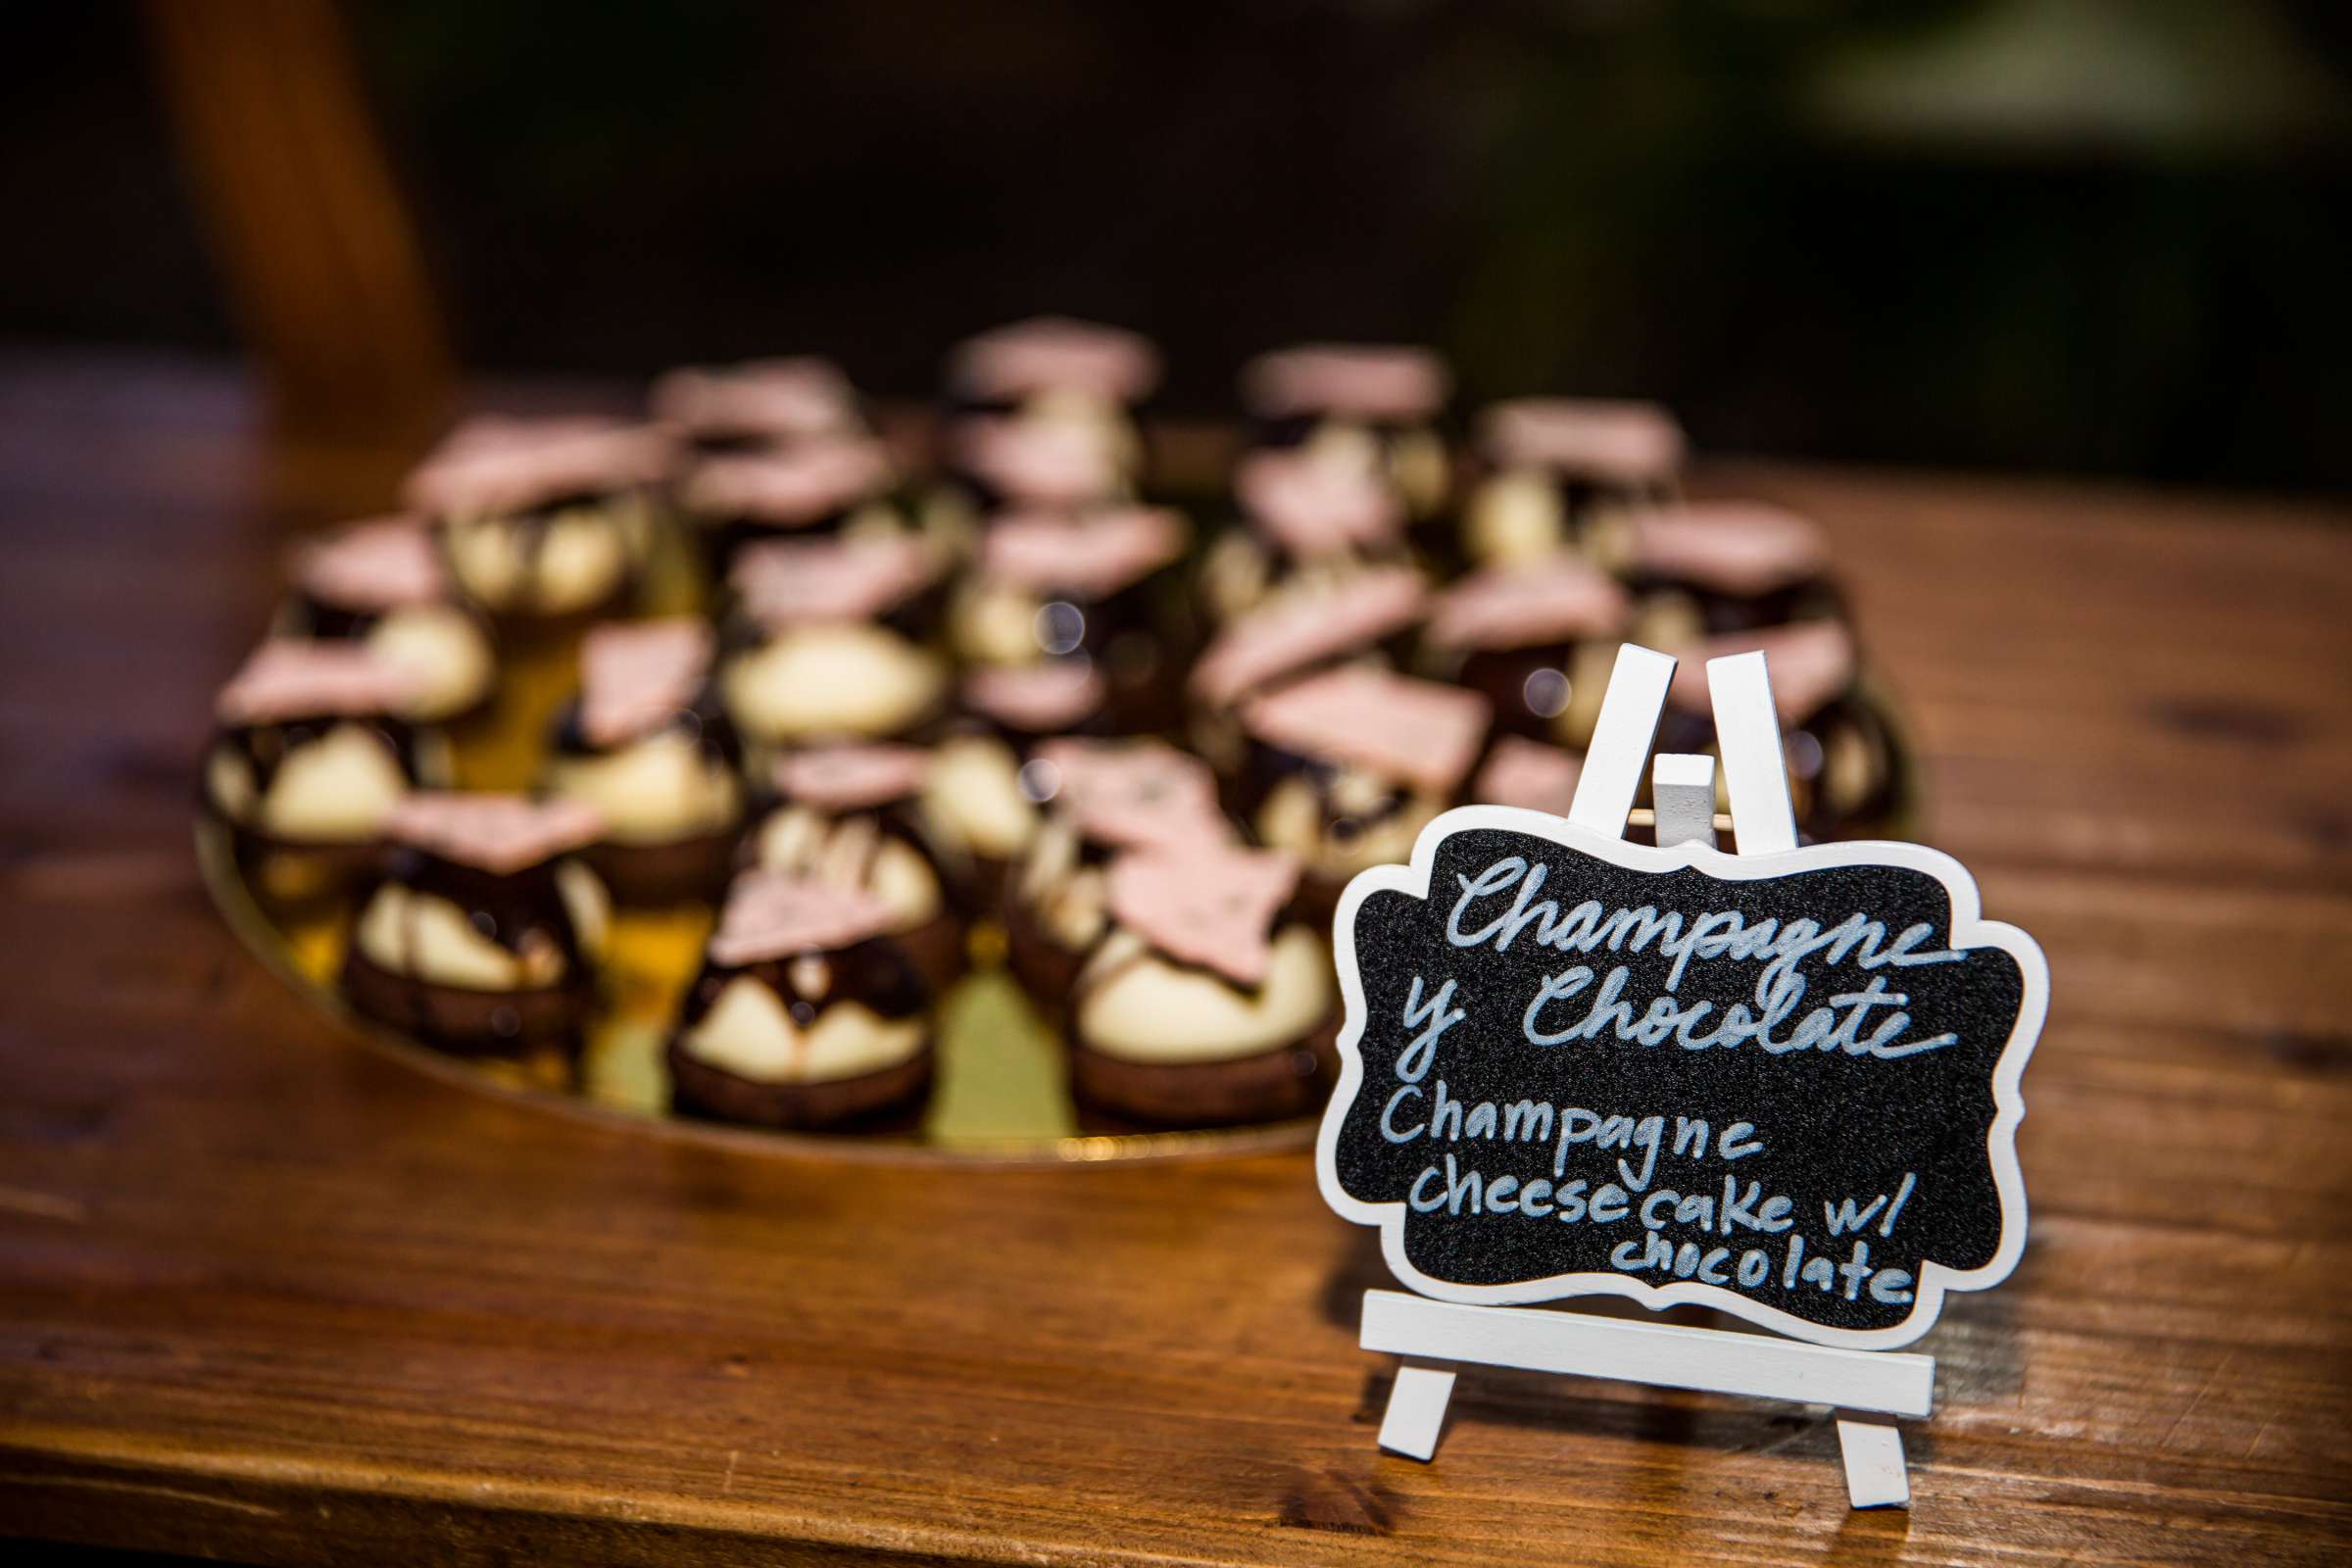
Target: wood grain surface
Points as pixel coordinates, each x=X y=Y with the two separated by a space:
x=269 y=1296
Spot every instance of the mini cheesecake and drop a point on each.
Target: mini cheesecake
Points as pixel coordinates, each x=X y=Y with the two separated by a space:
x=1003 y=462
x=1051 y=375
x=1209 y=1001
x=383 y=583
x=310 y=757
x=486 y=932
x=759 y=404
x=1844 y=777
x=545 y=520
x=648 y=747
x=1100 y=796
x=854 y=817
x=1376 y=406
x=980 y=797
x=1711 y=567
x=805 y=1013
x=1312 y=623
x=1527 y=774
x=1098 y=589
x=1344 y=769
x=813 y=489
x=1306 y=515
x=1536 y=641
x=831 y=640
x=1554 y=468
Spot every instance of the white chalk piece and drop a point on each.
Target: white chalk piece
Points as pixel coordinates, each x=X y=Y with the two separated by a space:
x=1783 y=1083
x=1747 y=732
x=1621 y=737
x=1682 y=786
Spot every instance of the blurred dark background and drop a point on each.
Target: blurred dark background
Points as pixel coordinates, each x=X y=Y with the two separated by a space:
x=2085 y=235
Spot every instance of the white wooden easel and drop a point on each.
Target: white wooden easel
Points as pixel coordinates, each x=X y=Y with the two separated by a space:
x=1866 y=1388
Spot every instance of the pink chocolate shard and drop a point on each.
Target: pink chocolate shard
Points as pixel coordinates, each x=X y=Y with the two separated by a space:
x=635 y=677
x=790 y=487
x=294 y=678
x=1133 y=793
x=1213 y=905
x=1312 y=506
x=493 y=465
x=1039 y=462
x=1529 y=774
x=1416 y=732
x=787 y=582
x=496 y=833
x=1090 y=556
x=382 y=563
x=1555 y=601
x=1299 y=630
x=852 y=778
x=1736 y=547
x=1054 y=353
x=1587 y=438
x=1048 y=694
x=1346 y=381
x=790 y=398
x=1810 y=661
x=776 y=914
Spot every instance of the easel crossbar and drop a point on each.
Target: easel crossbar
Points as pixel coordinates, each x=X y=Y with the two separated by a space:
x=1662 y=1354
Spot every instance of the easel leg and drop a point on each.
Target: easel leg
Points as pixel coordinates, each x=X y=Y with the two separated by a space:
x=1871 y=1446
x=1417 y=1408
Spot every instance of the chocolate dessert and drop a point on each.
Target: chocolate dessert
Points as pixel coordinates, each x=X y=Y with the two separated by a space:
x=1536 y=641
x=1709 y=568
x=308 y=760
x=1344 y=769
x=757 y=404
x=545 y=519
x=1306 y=515
x=812 y=489
x=1313 y=623
x=648 y=746
x=981 y=795
x=1550 y=468
x=486 y=932
x=1096 y=590
x=1378 y=407
x=805 y=1013
x=854 y=817
x=1100 y=796
x=1210 y=1000
x=384 y=583
x=1845 y=777
x=830 y=641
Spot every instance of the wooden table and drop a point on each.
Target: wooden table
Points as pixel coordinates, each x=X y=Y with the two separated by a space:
x=269 y=1295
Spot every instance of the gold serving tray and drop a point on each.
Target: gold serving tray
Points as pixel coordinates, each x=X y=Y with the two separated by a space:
x=999 y=1093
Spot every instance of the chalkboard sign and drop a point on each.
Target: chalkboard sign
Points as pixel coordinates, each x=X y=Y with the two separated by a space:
x=1785 y=1085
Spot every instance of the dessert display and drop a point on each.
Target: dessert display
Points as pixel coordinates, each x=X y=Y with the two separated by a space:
x=647 y=744
x=1209 y=998
x=544 y=518
x=383 y=583
x=309 y=758
x=805 y=1013
x=1374 y=406
x=485 y=932
x=1554 y=470
x=853 y=816
x=984 y=792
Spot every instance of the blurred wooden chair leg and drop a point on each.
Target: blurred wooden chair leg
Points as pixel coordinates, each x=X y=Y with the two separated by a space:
x=317 y=252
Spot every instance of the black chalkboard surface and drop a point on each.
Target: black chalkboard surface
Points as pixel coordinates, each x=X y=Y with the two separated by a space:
x=1785 y=1085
